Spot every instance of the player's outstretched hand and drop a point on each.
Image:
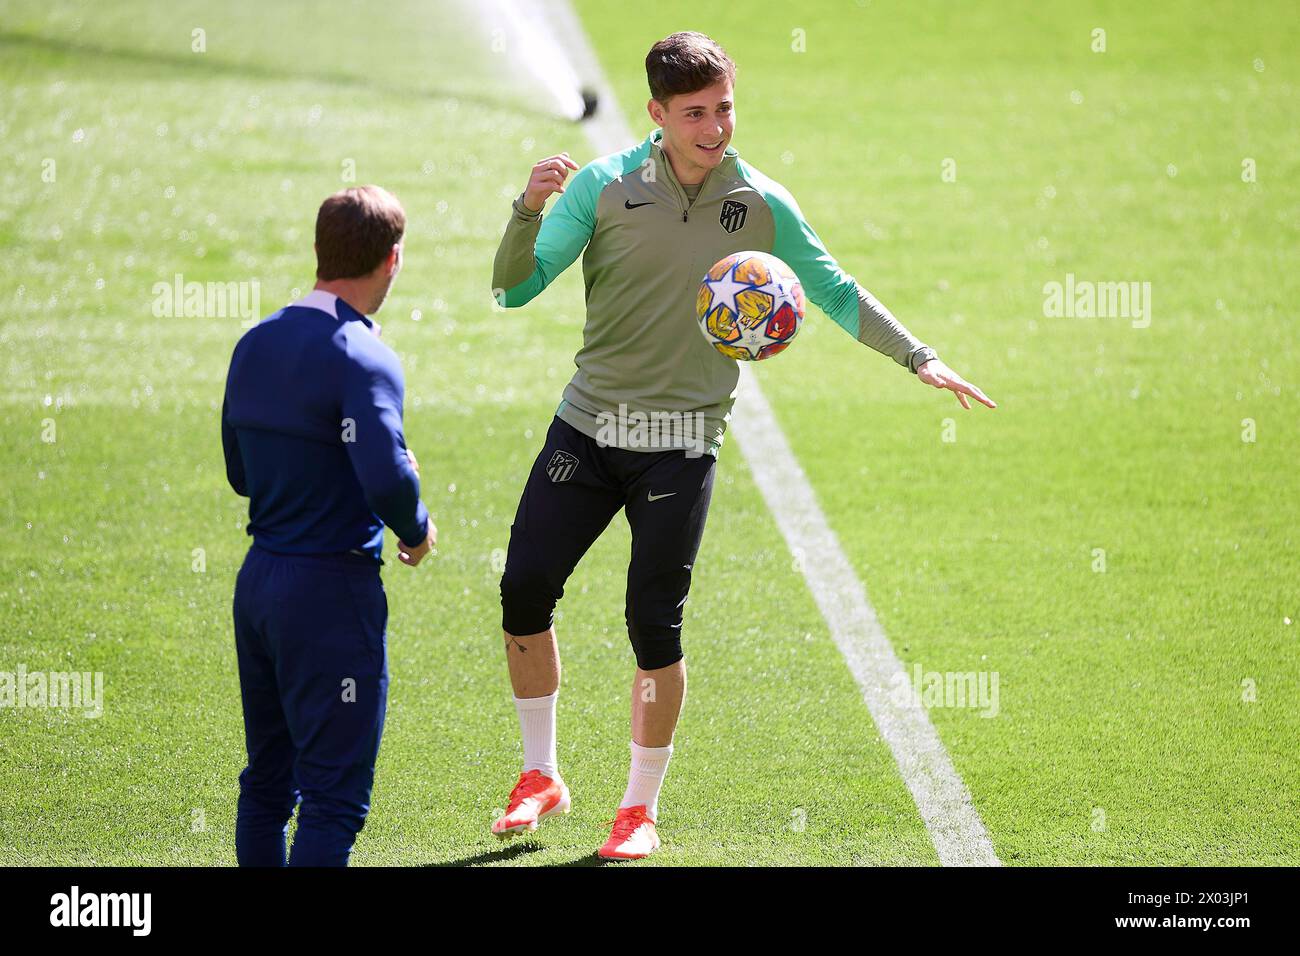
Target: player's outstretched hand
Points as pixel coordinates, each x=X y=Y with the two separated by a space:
x=935 y=373
x=413 y=556
x=548 y=177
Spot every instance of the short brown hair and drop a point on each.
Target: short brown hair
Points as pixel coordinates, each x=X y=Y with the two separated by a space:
x=355 y=230
x=685 y=63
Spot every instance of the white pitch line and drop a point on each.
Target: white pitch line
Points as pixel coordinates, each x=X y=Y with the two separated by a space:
x=942 y=798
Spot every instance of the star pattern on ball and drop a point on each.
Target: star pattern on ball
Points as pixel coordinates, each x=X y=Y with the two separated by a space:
x=725 y=291
x=782 y=291
x=754 y=319
x=753 y=340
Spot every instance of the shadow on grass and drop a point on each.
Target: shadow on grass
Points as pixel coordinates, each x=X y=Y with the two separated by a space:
x=500 y=855
x=514 y=850
x=212 y=66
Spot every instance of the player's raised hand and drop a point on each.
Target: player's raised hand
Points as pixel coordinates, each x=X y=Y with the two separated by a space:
x=935 y=373
x=413 y=556
x=548 y=177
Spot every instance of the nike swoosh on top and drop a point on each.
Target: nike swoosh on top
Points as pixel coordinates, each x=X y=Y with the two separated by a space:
x=629 y=204
x=651 y=496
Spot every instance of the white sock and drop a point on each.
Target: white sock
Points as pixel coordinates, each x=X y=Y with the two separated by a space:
x=537 y=723
x=649 y=764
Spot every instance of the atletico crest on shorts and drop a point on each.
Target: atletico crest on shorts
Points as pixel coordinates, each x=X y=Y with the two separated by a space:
x=561 y=467
x=732 y=216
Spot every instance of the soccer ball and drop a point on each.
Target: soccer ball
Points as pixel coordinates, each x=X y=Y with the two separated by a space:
x=750 y=306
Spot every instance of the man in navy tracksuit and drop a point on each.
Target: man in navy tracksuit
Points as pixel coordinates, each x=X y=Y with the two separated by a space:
x=312 y=432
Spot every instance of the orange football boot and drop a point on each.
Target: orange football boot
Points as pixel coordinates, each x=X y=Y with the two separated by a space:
x=634 y=836
x=534 y=798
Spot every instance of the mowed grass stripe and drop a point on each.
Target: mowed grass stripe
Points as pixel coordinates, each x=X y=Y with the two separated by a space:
x=135 y=481
x=1128 y=729
x=945 y=805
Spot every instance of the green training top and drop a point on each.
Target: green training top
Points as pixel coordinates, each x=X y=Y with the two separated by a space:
x=643 y=360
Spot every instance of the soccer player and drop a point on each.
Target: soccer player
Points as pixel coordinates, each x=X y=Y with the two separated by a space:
x=312 y=432
x=652 y=219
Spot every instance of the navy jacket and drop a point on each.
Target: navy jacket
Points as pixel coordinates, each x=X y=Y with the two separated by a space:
x=311 y=426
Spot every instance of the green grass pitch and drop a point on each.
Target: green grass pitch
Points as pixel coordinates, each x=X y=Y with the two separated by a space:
x=1117 y=541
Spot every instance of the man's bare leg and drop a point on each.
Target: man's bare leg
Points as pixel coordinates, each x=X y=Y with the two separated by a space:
x=534 y=663
x=657 y=697
x=657 y=703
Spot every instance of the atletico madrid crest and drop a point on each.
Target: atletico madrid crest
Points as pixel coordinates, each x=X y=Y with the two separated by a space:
x=562 y=466
x=733 y=214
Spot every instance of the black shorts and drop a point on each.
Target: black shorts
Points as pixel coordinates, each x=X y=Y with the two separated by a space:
x=574 y=490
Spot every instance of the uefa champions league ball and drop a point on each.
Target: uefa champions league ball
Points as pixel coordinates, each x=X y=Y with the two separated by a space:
x=750 y=306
